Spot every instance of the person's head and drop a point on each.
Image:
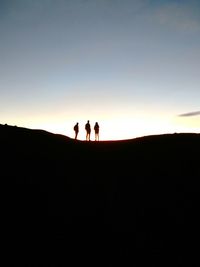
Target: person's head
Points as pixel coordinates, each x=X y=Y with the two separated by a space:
x=88 y=121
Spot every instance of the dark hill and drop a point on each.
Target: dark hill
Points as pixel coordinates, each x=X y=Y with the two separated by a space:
x=113 y=203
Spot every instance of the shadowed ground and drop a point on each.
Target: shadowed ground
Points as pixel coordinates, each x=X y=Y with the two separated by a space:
x=119 y=203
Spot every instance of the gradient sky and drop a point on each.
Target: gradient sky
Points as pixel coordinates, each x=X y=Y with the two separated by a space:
x=131 y=65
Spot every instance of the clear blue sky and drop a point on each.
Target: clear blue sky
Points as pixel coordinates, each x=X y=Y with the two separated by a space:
x=131 y=65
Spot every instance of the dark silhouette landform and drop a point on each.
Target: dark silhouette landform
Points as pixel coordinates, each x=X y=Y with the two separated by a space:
x=110 y=203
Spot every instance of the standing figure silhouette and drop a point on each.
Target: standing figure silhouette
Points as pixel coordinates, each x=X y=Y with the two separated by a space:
x=76 y=130
x=88 y=130
x=96 y=130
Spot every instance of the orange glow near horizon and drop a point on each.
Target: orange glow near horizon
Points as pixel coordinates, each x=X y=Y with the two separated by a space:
x=119 y=128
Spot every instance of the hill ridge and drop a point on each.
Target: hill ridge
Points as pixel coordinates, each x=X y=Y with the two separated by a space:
x=41 y=131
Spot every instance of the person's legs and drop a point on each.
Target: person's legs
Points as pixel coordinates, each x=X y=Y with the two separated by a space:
x=88 y=136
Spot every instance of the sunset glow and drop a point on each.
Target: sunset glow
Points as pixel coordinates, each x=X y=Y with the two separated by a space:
x=120 y=128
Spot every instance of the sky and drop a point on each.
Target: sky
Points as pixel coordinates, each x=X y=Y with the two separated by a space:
x=131 y=65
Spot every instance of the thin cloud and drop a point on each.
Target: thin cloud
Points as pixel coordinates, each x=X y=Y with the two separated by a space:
x=190 y=114
x=182 y=16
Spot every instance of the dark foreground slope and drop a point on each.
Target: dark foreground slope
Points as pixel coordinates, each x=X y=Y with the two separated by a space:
x=122 y=203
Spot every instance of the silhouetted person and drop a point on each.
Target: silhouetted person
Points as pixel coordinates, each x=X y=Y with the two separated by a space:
x=76 y=130
x=88 y=130
x=96 y=130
